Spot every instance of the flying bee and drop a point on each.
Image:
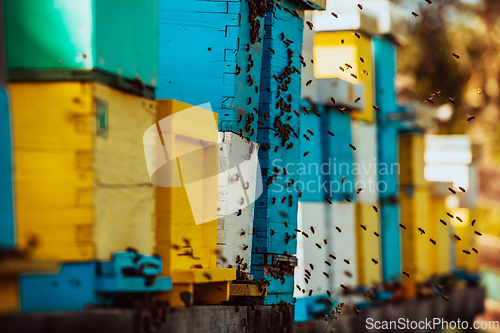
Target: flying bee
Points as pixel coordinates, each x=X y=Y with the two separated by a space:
x=306 y=137
x=462 y=189
x=239 y=212
x=375 y=261
x=422 y=231
x=406 y=273
x=451 y=100
x=452 y=190
x=473 y=249
x=325 y=241
x=312 y=266
x=305 y=235
x=341 y=110
x=328 y=263
x=354 y=76
x=449 y=214
x=332 y=256
x=402 y=226
x=348 y=66
x=310 y=292
x=341 y=68
x=429 y=100
x=296 y=113
x=335 y=15
x=310 y=132
x=437 y=93
x=376 y=234
x=457 y=238
x=305 y=110
x=414 y=14
x=344 y=287
x=318 y=246
x=445 y=298
x=473 y=222
x=338 y=229
x=352 y=146
x=358 y=191
x=271 y=50
x=356 y=311
x=458 y=218
x=357 y=35
x=429 y=1
x=438 y=287
x=471 y=118
x=329 y=201
x=326 y=274
x=443 y=222
x=375 y=209
x=348 y=273
x=365 y=72
x=467 y=252
x=286 y=224
x=347 y=261
x=432 y=241
x=376 y=108
x=357 y=99
x=310 y=25
x=347 y=199
x=361 y=59
x=478 y=233
x=331 y=133
x=329 y=293
x=332 y=99
x=308 y=83
x=362 y=226
x=456 y=55
x=272 y=232
x=360 y=6
x=312 y=229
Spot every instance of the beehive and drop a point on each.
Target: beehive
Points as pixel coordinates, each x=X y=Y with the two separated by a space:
x=368 y=245
x=65 y=40
x=464 y=230
x=440 y=263
x=82 y=187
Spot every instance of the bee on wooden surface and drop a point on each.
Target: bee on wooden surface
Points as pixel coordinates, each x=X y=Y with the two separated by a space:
x=318 y=246
x=406 y=273
x=332 y=256
x=338 y=229
x=306 y=137
x=308 y=83
x=375 y=209
x=310 y=25
x=362 y=226
x=432 y=241
x=376 y=108
x=352 y=146
x=357 y=99
x=445 y=298
x=249 y=101
x=288 y=42
x=456 y=55
x=334 y=15
x=458 y=218
x=414 y=14
x=451 y=100
x=273 y=200
x=443 y=222
x=283 y=199
x=473 y=222
x=357 y=35
x=478 y=233
x=331 y=133
x=376 y=234
x=452 y=190
x=329 y=201
x=360 y=6
x=422 y=231
x=344 y=287
x=449 y=214
x=402 y=226
x=469 y=119
x=347 y=261
x=354 y=76
x=473 y=249
x=375 y=261
x=462 y=189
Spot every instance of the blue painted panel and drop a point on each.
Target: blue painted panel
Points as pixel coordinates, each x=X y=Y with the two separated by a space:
x=71 y=289
x=307 y=308
x=391 y=242
x=338 y=155
x=201 y=46
x=7 y=224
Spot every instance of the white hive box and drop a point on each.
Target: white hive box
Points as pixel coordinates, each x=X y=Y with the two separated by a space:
x=365 y=158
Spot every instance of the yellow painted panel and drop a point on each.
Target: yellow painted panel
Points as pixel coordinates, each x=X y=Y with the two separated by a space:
x=9 y=291
x=173 y=297
x=201 y=275
x=440 y=253
x=330 y=53
x=465 y=231
x=240 y=289
x=368 y=245
x=123 y=194
x=211 y=293
x=411 y=159
x=416 y=255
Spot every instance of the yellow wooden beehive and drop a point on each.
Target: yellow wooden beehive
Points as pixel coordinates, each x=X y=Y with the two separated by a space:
x=368 y=245
x=188 y=245
x=82 y=186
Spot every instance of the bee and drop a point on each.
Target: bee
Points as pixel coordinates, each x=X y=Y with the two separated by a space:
x=443 y=222
x=341 y=68
x=272 y=232
x=207 y=276
x=457 y=238
x=286 y=224
x=429 y=1
x=312 y=229
x=406 y=273
x=456 y=55
x=243 y=232
x=331 y=133
x=376 y=108
x=375 y=261
x=432 y=241
x=332 y=256
x=318 y=246
x=449 y=214
x=375 y=209
x=335 y=15
x=429 y=100
x=362 y=226
x=254 y=231
x=422 y=231
x=239 y=212
x=338 y=229
x=310 y=132
x=307 y=282
x=305 y=235
x=332 y=99
x=452 y=190
x=471 y=118
x=348 y=66
x=478 y=233
x=347 y=199
x=326 y=274
x=245 y=247
x=310 y=25
x=354 y=76
x=325 y=241
x=283 y=214
x=445 y=298
x=347 y=261
x=356 y=311
x=260 y=123
x=438 y=287
x=312 y=266
x=249 y=101
x=135 y=251
x=329 y=201
x=328 y=263
x=437 y=93
x=306 y=137
x=329 y=293
x=341 y=110
x=451 y=100
x=312 y=61
x=296 y=113
x=297 y=230
x=341 y=41
x=414 y=14
x=271 y=50
x=344 y=287
x=317 y=114
x=298 y=287
x=273 y=200
x=360 y=6
x=402 y=226
x=358 y=191
x=365 y=72
x=348 y=274
x=370 y=295
x=305 y=110
x=352 y=146
x=357 y=35
x=307 y=272
x=308 y=83
x=357 y=99
x=462 y=189
x=467 y=252
x=276 y=149
x=361 y=59
x=376 y=233
x=473 y=222
x=473 y=249
x=310 y=292
x=458 y=218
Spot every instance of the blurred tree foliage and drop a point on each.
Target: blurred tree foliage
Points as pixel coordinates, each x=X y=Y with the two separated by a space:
x=470 y=29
